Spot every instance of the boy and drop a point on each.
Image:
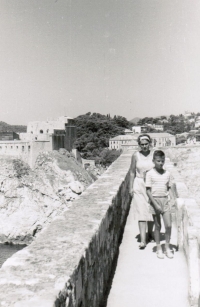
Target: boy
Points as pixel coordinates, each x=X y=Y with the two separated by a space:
x=158 y=184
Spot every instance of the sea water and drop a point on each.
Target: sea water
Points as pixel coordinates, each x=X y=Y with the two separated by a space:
x=7 y=250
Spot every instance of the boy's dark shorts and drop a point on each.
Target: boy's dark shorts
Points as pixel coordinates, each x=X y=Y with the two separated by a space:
x=163 y=203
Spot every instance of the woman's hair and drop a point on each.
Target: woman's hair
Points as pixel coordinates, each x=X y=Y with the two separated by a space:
x=145 y=137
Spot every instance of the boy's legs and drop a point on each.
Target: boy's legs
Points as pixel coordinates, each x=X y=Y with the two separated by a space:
x=157 y=222
x=150 y=230
x=168 y=228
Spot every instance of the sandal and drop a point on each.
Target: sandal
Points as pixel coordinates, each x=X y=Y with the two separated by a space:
x=142 y=245
x=169 y=254
x=160 y=254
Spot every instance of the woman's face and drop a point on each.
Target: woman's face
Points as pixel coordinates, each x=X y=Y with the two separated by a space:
x=144 y=144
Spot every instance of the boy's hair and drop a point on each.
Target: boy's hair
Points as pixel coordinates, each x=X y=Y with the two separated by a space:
x=158 y=153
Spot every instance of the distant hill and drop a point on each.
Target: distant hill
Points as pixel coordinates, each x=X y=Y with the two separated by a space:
x=135 y=120
x=4 y=127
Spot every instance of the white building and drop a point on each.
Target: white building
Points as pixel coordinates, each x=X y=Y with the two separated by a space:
x=139 y=129
x=197 y=122
x=41 y=136
x=162 y=139
x=130 y=141
x=158 y=127
x=118 y=141
x=128 y=131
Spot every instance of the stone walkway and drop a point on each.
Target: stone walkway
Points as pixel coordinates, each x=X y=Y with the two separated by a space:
x=143 y=280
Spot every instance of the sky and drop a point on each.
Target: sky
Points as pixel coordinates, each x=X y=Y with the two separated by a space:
x=133 y=58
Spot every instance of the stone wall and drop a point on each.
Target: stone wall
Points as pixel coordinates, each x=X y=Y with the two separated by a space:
x=27 y=151
x=188 y=227
x=70 y=262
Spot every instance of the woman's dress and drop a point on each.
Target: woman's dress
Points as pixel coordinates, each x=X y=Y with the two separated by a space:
x=140 y=201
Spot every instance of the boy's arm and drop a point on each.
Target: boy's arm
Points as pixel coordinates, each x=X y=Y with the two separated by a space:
x=153 y=201
x=132 y=174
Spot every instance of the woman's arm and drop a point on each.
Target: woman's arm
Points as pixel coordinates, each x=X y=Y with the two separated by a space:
x=132 y=174
x=153 y=201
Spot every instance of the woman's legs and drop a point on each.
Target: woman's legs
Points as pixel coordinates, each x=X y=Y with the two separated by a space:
x=142 y=228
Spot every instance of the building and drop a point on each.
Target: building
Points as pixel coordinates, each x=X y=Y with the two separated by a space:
x=187 y=114
x=197 y=122
x=158 y=127
x=128 y=131
x=41 y=136
x=119 y=142
x=8 y=136
x=139 y=129
x=162 y=139
x=125 y=142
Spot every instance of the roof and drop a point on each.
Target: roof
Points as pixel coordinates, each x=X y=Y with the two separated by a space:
x=161 y=135
x=123 y=138
x=135 y=136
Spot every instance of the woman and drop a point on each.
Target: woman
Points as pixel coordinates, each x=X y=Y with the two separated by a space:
x=141 y=162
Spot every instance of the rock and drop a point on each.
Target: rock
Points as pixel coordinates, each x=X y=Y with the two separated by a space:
x=63 y=151
x=30 y=199
x=76 y=187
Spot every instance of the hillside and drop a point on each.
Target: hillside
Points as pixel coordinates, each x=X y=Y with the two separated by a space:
x=4 y=127
x=135 y=120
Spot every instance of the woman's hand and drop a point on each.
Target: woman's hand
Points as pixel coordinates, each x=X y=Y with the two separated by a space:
x=158 y=209
x=131 y=192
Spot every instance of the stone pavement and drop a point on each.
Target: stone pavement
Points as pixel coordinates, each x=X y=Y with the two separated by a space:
x=143 y=280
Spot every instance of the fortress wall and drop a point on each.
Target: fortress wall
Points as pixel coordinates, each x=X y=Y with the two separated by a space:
x=188 y=228
x=27 y=151
x=70 y=262
x=18 y=149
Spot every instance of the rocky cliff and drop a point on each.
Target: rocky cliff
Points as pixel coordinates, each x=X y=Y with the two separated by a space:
x=30 y=199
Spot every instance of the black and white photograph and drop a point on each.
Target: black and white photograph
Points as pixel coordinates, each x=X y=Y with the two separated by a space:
x=100 y=153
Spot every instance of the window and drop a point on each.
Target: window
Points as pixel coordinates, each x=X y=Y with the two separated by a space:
x=29 y=148
x=22 y=148
x=41 y=131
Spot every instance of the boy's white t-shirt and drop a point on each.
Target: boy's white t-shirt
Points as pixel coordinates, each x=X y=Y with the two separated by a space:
x=158 y=183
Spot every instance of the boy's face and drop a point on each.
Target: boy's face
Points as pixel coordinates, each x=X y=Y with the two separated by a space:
x=159 y=162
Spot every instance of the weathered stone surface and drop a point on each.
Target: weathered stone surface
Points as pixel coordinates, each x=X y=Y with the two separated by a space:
x=70 y=261
x=30 y=199
x=76 y=187
x=187 y=177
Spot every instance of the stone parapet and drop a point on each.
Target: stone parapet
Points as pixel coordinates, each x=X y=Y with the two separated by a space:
x=70 y=262
x=188 y=228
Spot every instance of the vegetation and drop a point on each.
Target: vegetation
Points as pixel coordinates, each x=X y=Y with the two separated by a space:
x=174 y=124
x=4 y=127
x=93 y=134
